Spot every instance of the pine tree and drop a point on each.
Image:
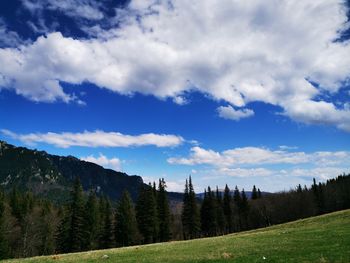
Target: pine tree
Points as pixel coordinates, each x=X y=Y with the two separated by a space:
x=237 y=200
x=91 y=222
x=220 y=216
x=195 y=224
x=254 y=193
x=227 y=207
x=163 y=212
x=70 y=230
x=259 y=193
x=107 y=239
x=76 y=236
x=244 y=207
x=146 y=215
x=126 y=231
x=209 y=214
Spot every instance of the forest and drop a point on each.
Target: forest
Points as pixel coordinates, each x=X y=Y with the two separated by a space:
x=31 y=226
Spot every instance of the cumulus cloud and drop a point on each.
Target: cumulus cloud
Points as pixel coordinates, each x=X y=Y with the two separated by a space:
x=97 y=139
x=113 y=163
x=237 y=52
x=252 y=156
x=230 y=113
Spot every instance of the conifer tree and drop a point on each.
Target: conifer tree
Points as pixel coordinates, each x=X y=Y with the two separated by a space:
x=185 y=215
x=209 y=214
x=195 y=224
x=237 y=200
x=146 y=215
x=220 y=216
x=75 y=239
x=163 y=212
x=91 y=222
x=126 y=232
x=254 y=193
x=259 y=193
x=107 y=239
x=70 y=231
x=227 y=206
x=244 y=207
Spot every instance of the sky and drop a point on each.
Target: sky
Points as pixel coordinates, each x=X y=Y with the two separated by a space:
x=238 y=92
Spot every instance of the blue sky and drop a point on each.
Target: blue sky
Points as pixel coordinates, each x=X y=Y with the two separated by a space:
x=244 y=93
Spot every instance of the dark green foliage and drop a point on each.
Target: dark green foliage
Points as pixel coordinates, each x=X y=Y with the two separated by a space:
x=63 y=229
x=70 y=232
x=126 y=231
x=47 y=244
x=163 y=212
x=3 y=243
x=190 y=213
x=254 y=193
x=259 y=193
x=227 y=207
x=146 y=215
x=107 y=238
x=220 y=216
x=209 y=214
x=91 y=222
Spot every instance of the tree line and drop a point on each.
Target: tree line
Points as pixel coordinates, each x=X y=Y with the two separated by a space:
x=32 y=226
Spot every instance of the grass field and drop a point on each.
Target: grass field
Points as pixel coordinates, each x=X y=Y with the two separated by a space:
x=319 y=239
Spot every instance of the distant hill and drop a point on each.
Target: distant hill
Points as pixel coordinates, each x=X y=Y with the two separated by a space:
x=52 y=176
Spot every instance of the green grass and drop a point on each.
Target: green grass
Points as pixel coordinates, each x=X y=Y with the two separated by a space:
x=319 y=239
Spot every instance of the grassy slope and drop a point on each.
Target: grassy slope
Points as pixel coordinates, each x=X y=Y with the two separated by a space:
x=320 y=239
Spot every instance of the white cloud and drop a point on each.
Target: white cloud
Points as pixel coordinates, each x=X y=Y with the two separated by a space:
x=230 y=113
x=113 y=163
x=237 y=52
x=251 y=156
x=97 y=139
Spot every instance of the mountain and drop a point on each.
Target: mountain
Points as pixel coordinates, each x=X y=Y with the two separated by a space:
x=51 y=176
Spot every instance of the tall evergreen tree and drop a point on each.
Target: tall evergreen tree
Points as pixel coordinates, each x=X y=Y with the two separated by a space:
x=70 y=231
x=146 y=214
x=254 y=193
x=163 y=212
x=220 y=216
x=126 y=231
x=75 y=239
x=195 y=224
x=244 y=207
x=227 y=207
x=91 y=222
x=209 y=214
x=107 y=239
x=190 y=213
x=259 y=193
x=237 y=200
